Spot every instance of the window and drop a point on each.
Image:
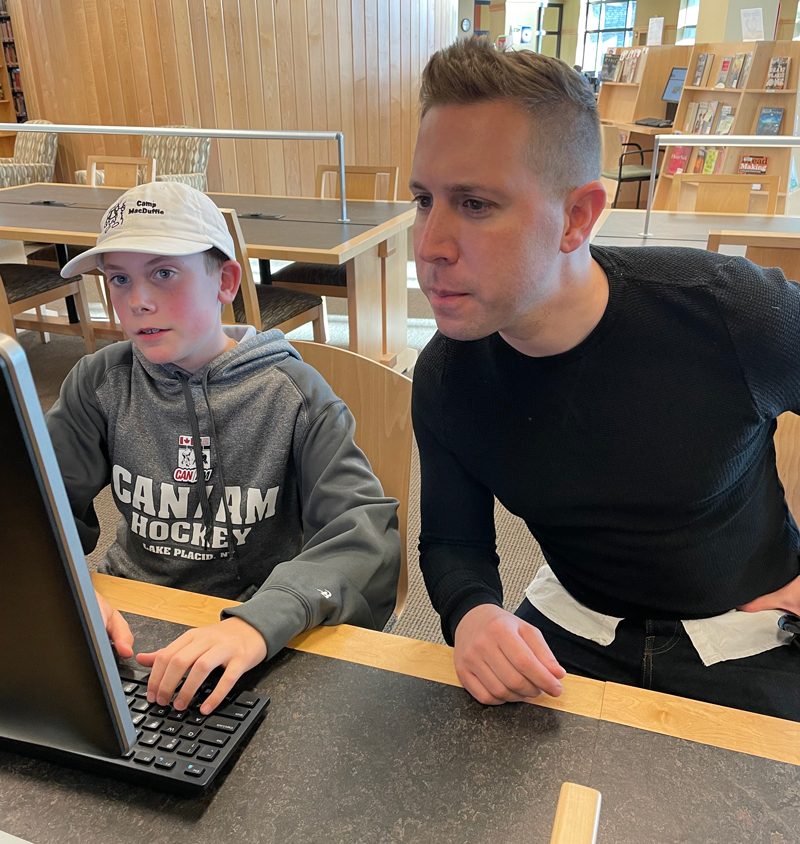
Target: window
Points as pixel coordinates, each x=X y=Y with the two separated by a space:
x=687 y=21
x=609 y=24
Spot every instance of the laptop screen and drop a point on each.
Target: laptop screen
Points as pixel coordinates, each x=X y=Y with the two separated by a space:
x=59 y=685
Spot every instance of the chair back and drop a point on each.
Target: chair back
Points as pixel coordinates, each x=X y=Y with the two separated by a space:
x=380 y=400
x=177 y=155
x=612 y=147
x=577 y=815
x=722 y=194
x=120 y=171
x=373 y=183
x=36 y=147
x=247 y=287
x=787 y=456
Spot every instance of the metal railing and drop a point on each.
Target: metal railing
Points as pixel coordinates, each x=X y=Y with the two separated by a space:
x=678 y=140
x=229 y=134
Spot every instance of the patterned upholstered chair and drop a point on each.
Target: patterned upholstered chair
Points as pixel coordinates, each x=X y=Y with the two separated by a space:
x=34 y=158
x=178 y=159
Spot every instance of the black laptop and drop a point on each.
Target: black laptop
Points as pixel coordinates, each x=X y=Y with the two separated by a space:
x=62 y=695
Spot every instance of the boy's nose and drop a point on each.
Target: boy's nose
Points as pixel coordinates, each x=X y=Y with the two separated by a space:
x=139 y=298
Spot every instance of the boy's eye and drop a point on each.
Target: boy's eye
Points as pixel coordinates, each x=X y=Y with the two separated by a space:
x=119 y=280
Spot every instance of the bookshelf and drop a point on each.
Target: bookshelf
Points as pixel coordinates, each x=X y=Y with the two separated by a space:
x=622 y=103
x=747 y=102
x=11 y=83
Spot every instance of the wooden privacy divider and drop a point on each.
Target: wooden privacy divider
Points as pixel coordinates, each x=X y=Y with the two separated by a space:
x=577 y=815
x=340 y=65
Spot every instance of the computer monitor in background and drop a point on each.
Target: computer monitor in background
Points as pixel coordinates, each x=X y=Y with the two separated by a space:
x=673 y=89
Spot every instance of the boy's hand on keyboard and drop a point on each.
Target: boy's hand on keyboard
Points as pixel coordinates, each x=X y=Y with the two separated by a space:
x=233 y=644
x=116 y=627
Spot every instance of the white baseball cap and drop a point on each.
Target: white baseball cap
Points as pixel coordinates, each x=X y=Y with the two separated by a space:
x=158 y=218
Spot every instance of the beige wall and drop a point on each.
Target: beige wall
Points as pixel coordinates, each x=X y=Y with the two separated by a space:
x=667 y=9
x=349 y=65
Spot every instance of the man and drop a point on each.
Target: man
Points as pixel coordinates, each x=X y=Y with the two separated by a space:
x=621 y=401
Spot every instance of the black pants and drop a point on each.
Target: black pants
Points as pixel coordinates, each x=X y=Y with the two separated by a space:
x=659 y=655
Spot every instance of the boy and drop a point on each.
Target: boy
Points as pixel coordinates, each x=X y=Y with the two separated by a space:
x=285 y=515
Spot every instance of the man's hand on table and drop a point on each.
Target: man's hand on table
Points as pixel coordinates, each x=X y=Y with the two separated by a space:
x=232 y=644
x=787 y=598
x=500 y=658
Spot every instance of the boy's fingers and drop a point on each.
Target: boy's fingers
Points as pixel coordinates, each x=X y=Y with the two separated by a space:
x=203 y=666
x=120 y=634
x=226 y=683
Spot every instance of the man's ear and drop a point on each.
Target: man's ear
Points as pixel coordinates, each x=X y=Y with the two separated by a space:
x=581 y=210
x=230 y=278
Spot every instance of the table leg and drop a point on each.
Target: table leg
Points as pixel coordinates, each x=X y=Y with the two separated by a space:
x=365 y=304
x=63 y=258
x=394 y=279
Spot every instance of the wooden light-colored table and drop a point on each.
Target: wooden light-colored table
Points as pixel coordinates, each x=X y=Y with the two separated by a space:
x=372 y=245
x=705 y=723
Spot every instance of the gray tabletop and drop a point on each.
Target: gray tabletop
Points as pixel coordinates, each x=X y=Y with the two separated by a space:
x=304 y=223
x=624 y=228
x=354 y=754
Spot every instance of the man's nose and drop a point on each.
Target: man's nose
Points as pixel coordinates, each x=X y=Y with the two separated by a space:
x=436 y=236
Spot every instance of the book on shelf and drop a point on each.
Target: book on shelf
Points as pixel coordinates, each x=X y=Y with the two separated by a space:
x=748 y=60
x=753 y=165
x=699 y=69
x=793 y=185
x=769 y=121
x=678 y=160
x=725 y=122
x=736 y=71
x=724 y=68
x=778 y=73
x=691 y=117
x=705 y=117
x=610 y=68
x=713 y=161
x=700 y=160
x=706 y=83
x=640 y=65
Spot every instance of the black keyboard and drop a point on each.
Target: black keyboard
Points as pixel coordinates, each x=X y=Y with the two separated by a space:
x=656 y=122
x=180 y=751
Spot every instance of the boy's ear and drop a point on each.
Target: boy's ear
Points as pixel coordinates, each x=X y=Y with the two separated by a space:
x=230 y=278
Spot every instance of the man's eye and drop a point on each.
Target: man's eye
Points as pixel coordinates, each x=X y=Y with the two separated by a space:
x=476 y=205
x=422 y=201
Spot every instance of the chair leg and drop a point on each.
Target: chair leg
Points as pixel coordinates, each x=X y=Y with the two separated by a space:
x=616 y=195
x=319 y=323
x=6 y=319
x=99 y=282
x=638 y=194
x=82 y=306
x=44 y=336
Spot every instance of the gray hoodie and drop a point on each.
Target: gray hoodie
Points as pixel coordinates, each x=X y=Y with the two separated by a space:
x=303 y=534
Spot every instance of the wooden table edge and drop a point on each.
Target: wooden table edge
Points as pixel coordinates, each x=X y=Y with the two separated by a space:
x=704 y=723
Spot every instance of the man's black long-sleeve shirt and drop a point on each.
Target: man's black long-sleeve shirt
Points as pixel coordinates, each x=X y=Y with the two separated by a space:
x=642 y=460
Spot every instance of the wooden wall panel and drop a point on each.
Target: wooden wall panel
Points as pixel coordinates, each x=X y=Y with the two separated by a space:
x=349 y=65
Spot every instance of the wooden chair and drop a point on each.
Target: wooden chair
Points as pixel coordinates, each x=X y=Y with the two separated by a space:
x=24 y=287
x=380 y=400
x=120 y=172
x=613 y=166
x=264 y=306
x=374 y=183
x=723 y=194
x=577 y=815
x=767 y=249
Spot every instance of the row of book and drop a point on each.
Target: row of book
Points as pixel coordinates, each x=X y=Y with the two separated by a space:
x=3 y=7
x=19 y=107
x=13 y=75
x=6 y=33
x=10 y=54
x=623 y=67
x=699 y=119
x=709 y=160
x=734 y=70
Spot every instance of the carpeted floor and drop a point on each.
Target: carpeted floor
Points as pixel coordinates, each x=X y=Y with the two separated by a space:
x=519 y=553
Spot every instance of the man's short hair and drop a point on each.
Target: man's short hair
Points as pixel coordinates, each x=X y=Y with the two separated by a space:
x=565 y=126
